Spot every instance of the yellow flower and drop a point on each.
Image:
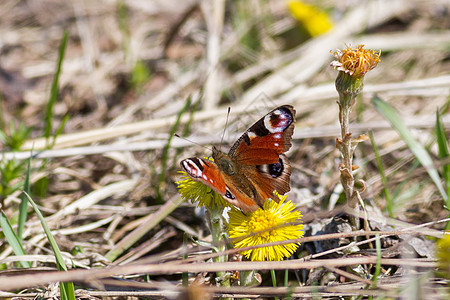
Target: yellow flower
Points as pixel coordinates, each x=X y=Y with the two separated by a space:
x=197 y=192
x=356 y=61
x=443 y=256
x=273 y=223
x=315 y=21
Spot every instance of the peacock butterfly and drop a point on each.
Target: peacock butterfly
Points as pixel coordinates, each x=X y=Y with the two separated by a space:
x=254 y=167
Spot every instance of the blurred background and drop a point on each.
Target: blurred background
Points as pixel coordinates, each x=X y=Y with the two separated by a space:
x=130 y=68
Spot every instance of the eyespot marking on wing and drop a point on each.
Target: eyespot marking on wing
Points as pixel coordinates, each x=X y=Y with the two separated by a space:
x=278 y=120
x=275 y=170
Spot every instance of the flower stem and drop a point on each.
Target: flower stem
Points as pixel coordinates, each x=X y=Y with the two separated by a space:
x=348 y=88
x=274 y=280
x=346 y=104
x=346 y=150
x=218 y=232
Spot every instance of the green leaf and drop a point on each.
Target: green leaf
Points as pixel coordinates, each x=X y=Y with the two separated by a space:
x=54 y=91
x=416 y=148
x=140 y=75
x=12 y=239
x=10 y=171
x=66 y=288
x=165 y=151
x=60 y=129
x=16 y=137
x=383 y=177
x=442 y=142
x=378 y=266
x=23 y=209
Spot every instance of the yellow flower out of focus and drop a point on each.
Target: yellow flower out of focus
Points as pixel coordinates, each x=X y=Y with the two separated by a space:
x=273 y=223
x=356 y=61
x=443 y=256
x=315 y=21
x=197 y=192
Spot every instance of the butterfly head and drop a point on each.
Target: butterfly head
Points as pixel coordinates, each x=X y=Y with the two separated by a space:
x=223 y=161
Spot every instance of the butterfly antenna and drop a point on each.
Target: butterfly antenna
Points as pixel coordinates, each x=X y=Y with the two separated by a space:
x=225 y=128
x=190 y=141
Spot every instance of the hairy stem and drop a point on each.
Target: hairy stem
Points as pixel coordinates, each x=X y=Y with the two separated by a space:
x=345 y=146
x=218 y=229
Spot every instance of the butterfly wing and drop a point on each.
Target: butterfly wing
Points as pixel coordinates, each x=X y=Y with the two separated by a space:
x=265 y=140
x=208 y=173
x=260 y=153
x=255 y=165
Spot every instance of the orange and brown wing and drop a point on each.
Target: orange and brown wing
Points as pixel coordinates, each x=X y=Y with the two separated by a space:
x=265 y=140
x=208 y=173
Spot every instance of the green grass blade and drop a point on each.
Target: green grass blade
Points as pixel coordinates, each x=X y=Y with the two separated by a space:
x=66 y=288
x=165 y=154
x=23 y=209
x=442 y=142
x=48 y=233
x=185 y=275
x=187 y=129
x=417 y=149
x=13 y=239
x=378 y=266
x=60 y=129
x=54 y=91
x=383 y=177
x=273 y=276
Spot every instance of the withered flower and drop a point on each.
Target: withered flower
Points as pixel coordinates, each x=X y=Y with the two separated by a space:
x=353 y=64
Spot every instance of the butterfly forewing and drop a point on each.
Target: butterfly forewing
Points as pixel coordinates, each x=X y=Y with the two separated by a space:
x=206 y=172
x=265 y=140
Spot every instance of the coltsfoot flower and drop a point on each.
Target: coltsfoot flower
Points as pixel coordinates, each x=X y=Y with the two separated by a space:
x=356 y=61
x=443 y=256
x=315 y=21
x=273 y=223
x=353 y=64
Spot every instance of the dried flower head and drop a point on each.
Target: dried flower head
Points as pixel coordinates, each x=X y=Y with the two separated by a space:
x=356 y=61
x=272 y=223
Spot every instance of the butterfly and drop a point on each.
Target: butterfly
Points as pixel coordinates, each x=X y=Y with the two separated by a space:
x=254 y=167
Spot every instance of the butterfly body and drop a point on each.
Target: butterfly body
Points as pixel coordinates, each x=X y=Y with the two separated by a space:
x=254 y=167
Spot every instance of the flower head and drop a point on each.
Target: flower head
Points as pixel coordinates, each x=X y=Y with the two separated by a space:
x=356 y=61
x=273 y=223
x=443 y=256
x=315 y=21
x=353 y=64
x=197 y=192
